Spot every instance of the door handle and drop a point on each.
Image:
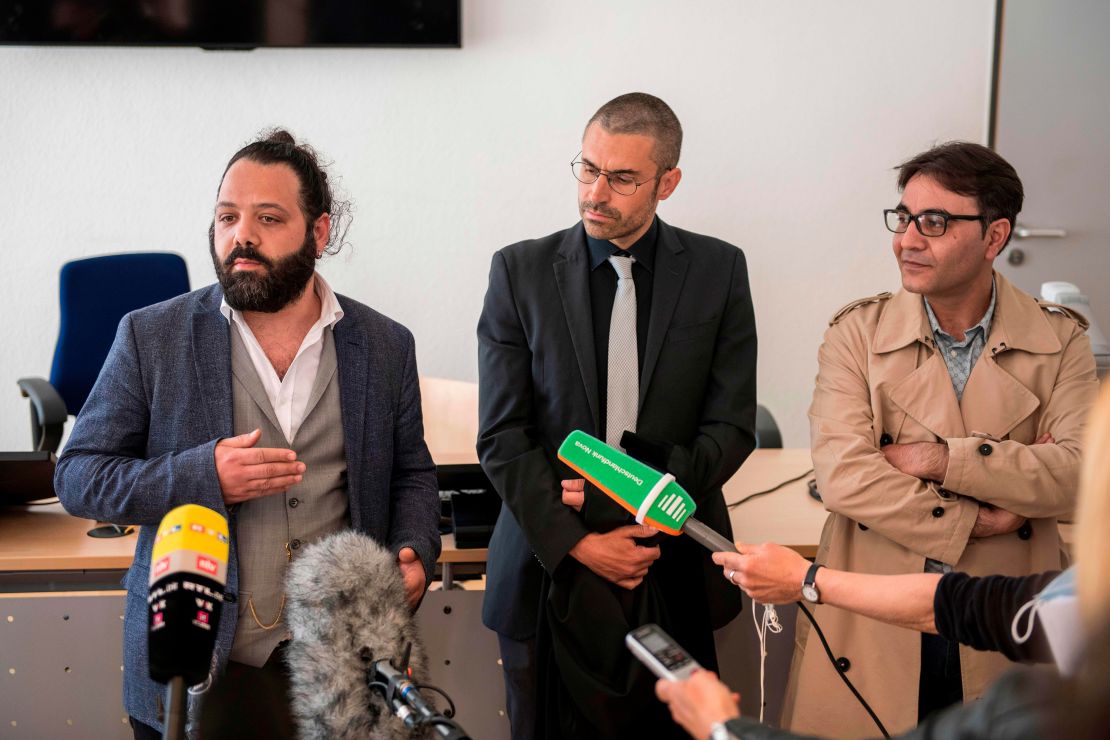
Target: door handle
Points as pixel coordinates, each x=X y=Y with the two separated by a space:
x=1024 y=232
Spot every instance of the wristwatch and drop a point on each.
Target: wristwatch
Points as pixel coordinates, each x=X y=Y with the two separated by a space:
x=809 y=586
x=718 y=731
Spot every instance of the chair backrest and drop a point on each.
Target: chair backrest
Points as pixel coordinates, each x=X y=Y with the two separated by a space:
x=95 y=293
x=767 y=434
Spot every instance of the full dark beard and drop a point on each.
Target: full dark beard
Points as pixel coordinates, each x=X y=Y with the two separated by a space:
x=268 y=290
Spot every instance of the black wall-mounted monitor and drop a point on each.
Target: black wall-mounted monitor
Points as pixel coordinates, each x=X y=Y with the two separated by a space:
x=231 y=24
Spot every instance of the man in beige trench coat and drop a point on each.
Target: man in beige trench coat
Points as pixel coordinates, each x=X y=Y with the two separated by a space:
x=946 y=425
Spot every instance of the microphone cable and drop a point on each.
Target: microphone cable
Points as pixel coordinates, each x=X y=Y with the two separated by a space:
x=769 y=623
x=772 y=489
x=832 y=659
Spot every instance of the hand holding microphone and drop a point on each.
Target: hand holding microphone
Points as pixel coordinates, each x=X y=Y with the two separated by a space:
x=768 y=573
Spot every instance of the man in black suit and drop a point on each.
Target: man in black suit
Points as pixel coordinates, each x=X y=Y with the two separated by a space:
x=619 y=324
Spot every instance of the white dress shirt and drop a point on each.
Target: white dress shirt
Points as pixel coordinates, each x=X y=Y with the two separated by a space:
x=289 y=395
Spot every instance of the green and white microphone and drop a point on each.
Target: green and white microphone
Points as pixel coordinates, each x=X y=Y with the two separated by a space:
x=654 y=498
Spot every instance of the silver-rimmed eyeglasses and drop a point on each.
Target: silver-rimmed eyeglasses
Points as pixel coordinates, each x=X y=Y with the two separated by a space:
x=622 y=183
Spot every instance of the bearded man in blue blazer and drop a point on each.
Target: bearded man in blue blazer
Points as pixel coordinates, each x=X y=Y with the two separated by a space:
x=290 y=410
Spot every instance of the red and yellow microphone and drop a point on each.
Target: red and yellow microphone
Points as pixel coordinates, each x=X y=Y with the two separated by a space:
x=188 y=571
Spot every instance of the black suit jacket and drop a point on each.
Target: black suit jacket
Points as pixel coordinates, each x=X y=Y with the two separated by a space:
x=538 y=382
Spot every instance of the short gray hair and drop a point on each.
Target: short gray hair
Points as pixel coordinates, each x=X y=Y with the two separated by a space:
x=640 y=113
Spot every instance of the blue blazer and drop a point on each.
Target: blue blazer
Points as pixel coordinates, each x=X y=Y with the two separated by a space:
x=143 y=445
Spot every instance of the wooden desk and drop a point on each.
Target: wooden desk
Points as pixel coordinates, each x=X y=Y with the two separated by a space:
x=41 y=538
x=45 y=538
x=788 y=516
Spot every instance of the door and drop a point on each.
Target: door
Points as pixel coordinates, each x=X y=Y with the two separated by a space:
x=1053 y=125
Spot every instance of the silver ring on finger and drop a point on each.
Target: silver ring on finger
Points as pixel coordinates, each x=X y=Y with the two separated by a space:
x=731 y=573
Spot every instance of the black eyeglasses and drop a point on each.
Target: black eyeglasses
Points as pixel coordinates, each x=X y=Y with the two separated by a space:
x=929 y=223
x=622 y=183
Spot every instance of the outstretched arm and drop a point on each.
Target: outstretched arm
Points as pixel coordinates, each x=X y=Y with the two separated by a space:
x=773 y=574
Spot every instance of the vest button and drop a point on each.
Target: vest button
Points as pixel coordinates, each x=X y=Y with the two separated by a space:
x=294 y=502
x=862 y=526
x=985 y=449
x=1025 y=531
x=843 y=664
x=885 y=440
x=938 y=512
x=295 y=544
x=230 y=598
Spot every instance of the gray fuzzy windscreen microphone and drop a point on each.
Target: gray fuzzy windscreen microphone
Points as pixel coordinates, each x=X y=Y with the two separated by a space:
x=345 y=597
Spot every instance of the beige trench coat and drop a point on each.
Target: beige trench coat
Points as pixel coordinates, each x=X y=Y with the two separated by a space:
x=880 y=374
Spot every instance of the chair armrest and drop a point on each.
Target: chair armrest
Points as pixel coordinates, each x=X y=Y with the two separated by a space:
x=48 y=413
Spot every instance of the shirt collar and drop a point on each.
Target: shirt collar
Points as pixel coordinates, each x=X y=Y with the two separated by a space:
x=984 y=323
x=1019 y=322
x=643 y=250
x=330 y=310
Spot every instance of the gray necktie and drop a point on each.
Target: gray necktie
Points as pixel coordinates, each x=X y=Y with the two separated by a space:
x=623 y=387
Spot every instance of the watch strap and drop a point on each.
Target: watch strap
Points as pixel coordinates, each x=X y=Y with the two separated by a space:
x=811 y=579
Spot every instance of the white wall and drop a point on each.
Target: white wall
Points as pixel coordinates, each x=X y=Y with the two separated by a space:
x=794 y=114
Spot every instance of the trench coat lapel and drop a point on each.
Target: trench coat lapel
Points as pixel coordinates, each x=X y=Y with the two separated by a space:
x=994 y=400
x=572 y=276
x=671 y=263
x=927 y=396
x=926 y=393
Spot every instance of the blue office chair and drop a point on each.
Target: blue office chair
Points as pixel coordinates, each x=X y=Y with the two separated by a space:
x=95 y=294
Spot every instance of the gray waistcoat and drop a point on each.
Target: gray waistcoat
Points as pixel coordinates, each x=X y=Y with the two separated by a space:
x=271 y=530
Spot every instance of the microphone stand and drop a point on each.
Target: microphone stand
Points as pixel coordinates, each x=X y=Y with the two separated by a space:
x=176 y=710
